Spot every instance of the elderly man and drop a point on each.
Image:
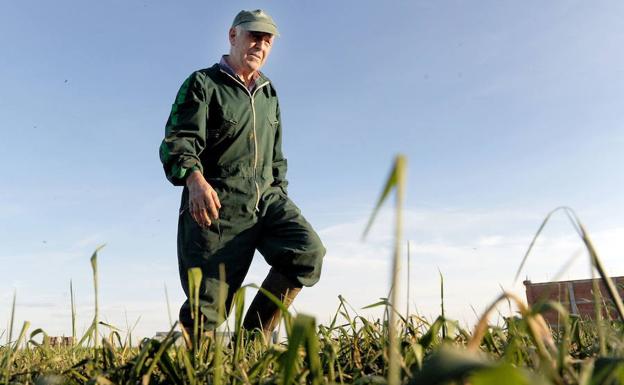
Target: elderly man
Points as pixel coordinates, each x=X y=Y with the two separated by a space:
x=223 y=142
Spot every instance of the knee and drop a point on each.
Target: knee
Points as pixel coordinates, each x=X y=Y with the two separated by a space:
x=310 y=272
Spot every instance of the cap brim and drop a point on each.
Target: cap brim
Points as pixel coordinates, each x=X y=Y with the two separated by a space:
x=258 y=26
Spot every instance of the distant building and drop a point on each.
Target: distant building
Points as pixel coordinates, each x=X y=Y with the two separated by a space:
x=576 y=296
x=224 y=336
x=61 y=341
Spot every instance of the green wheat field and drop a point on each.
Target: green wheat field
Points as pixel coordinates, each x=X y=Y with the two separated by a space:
x=396 y=349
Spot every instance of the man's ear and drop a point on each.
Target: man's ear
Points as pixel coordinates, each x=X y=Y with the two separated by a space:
x=232 y=35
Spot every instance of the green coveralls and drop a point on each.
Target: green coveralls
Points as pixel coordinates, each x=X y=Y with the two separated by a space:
x=233 y=136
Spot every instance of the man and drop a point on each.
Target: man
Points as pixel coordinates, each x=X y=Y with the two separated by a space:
x=223 y=142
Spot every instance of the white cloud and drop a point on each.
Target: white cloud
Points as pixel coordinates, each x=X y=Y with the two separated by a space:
x=91 y=241
x=491 y=241
x=477 y=252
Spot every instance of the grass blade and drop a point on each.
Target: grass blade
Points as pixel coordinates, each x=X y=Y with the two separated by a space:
x=194 y=279
x=396 y=180
x=96 y=317
x=73 y=311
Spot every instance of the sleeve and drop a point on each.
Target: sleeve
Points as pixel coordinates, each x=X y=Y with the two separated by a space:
x=279 y=162
x=185 y=132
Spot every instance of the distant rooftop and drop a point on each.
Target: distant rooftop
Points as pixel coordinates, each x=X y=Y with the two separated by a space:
x=577 y=296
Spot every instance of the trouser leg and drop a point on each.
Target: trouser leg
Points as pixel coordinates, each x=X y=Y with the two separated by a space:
x=231 y=245
x=295 y=252
x=288 y=242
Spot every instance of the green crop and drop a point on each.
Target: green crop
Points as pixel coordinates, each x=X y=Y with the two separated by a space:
x=396 y=349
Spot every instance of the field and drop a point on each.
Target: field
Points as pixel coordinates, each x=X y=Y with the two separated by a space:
x=397 y=349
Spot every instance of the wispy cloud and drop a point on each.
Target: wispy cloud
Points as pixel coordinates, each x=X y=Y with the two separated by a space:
x=477 y=252
x=91 y=241
x=51 y=252
x=40 y=305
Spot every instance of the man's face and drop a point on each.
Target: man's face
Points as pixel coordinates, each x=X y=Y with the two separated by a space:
x=249 y=50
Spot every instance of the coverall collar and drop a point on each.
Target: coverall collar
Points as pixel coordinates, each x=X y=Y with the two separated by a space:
x=225 y=66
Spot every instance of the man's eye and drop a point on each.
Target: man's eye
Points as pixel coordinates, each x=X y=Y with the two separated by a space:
x=259 y=36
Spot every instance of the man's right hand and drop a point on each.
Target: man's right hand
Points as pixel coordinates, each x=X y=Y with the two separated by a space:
x=204 y=202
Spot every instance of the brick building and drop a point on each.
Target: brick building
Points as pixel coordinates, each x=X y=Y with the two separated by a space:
x=576 y=296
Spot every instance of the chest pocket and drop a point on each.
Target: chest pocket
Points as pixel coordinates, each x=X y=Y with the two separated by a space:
x=272 y=123
x=221 y=127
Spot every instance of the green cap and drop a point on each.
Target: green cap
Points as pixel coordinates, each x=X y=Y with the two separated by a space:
x=256 y=21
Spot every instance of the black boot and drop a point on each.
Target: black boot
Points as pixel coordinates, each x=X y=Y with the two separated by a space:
x=265 y=315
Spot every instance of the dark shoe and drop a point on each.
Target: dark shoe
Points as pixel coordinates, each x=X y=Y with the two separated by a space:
x=263 y=313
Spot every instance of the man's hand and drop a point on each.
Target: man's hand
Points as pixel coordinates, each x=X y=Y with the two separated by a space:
x=204 y=202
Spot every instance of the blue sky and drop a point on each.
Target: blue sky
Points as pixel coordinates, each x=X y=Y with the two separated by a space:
x=505 y=110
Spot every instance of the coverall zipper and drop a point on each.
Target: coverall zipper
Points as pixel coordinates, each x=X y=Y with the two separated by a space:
x=253 y=114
